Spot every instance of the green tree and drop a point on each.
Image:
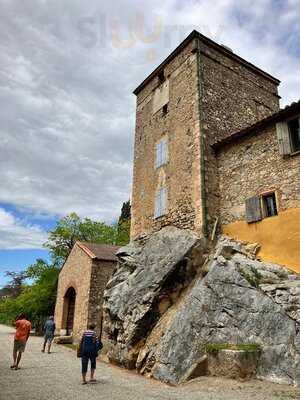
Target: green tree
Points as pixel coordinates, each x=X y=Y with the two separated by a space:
x=37 y=298
x=125 y=211
x=123 y=228
x=34 y=290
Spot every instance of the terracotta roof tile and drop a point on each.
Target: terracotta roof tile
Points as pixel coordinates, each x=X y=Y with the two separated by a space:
x=105 y=252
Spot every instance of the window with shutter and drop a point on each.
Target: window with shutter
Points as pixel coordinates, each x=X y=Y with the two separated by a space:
x=284 y=140
x=161 y=156
x=253 y=210
x=269 y=205
x=161 y=96
x=294 y=130
x=160 y=202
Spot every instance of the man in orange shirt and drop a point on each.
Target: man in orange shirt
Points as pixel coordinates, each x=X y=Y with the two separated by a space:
x=23 y=328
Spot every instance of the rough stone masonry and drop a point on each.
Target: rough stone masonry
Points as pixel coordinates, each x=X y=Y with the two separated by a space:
x=170 y=298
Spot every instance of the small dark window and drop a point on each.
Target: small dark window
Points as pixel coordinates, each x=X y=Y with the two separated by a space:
x=294 y=128
x=269 y=205
x=165 y=109
x=161 y=76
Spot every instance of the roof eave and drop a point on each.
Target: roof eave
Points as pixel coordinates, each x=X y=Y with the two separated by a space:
x=85 y=249
x=195 y=34
x=281 y=115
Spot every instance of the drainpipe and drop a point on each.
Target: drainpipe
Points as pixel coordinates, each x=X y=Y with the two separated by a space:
x=202 y=141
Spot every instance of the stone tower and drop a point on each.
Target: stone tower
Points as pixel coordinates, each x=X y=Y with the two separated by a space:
x=200 y=94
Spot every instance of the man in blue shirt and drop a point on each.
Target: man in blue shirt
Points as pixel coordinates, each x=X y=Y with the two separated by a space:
x=49 y=330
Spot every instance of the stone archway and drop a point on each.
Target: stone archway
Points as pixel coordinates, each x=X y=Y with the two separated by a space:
x=69 y=307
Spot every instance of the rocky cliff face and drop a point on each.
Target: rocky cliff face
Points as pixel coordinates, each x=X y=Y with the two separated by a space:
x=169 y=299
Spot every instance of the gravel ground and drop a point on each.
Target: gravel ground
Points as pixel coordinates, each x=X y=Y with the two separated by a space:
x=57 y=376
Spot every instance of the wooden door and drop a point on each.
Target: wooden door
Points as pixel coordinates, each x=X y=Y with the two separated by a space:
x=71 y=312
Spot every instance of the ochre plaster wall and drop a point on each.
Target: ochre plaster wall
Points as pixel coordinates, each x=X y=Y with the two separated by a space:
x=253 y=166
x=278 y=236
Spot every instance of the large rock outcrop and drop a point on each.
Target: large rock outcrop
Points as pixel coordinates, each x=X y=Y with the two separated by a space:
x=151 y=275
x=167 y=302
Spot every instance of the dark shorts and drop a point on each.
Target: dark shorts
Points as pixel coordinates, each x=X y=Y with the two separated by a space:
x=19 y=346
x=84 y=363
x=48 y=338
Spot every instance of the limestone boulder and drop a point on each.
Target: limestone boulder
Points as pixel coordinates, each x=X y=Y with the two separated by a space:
x=228 y=306
x=151 y=273
x=168 y=300
x=234 y=364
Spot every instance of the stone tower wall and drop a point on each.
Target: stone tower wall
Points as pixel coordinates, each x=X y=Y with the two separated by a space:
x=180 y=127
x=232 y=97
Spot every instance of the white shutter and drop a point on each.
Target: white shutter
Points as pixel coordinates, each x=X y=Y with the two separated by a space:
x=164 y=151
x=160 y=202
x=161 y=153
x=157 y=155
x=164 y=200
x=161 y=96
x=157 y=205
x=283 y=136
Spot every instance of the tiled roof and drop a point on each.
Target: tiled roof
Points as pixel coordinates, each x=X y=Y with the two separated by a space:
x=105 y=252
x=279 y=116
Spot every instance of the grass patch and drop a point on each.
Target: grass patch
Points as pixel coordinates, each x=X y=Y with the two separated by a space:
x=214 y=348
x=70 y=345
x=252 y=276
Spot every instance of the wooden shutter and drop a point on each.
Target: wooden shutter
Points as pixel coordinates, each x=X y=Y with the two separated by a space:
x=284 y=140
x=253 y=210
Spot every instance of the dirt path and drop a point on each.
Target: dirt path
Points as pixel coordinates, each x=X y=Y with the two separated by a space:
x=57 y=377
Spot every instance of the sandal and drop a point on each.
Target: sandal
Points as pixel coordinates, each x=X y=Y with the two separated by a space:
x=12 y=367
x=93 y=380
x=84 y=383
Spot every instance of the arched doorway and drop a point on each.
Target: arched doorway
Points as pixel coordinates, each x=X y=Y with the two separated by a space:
x=70 y=300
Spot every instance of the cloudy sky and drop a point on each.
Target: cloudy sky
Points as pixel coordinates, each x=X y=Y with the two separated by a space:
x=67 y=71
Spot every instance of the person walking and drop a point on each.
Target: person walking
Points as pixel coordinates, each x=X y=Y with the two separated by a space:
x=88 y=351
x=49 y=330
x=23 y=327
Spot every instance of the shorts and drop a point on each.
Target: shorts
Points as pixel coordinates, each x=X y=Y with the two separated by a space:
x=85 y=361
x=48 y=339
x=19 y=346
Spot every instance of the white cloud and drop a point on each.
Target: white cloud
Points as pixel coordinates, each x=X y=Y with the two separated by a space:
x=15 y=234
x=67 y=112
